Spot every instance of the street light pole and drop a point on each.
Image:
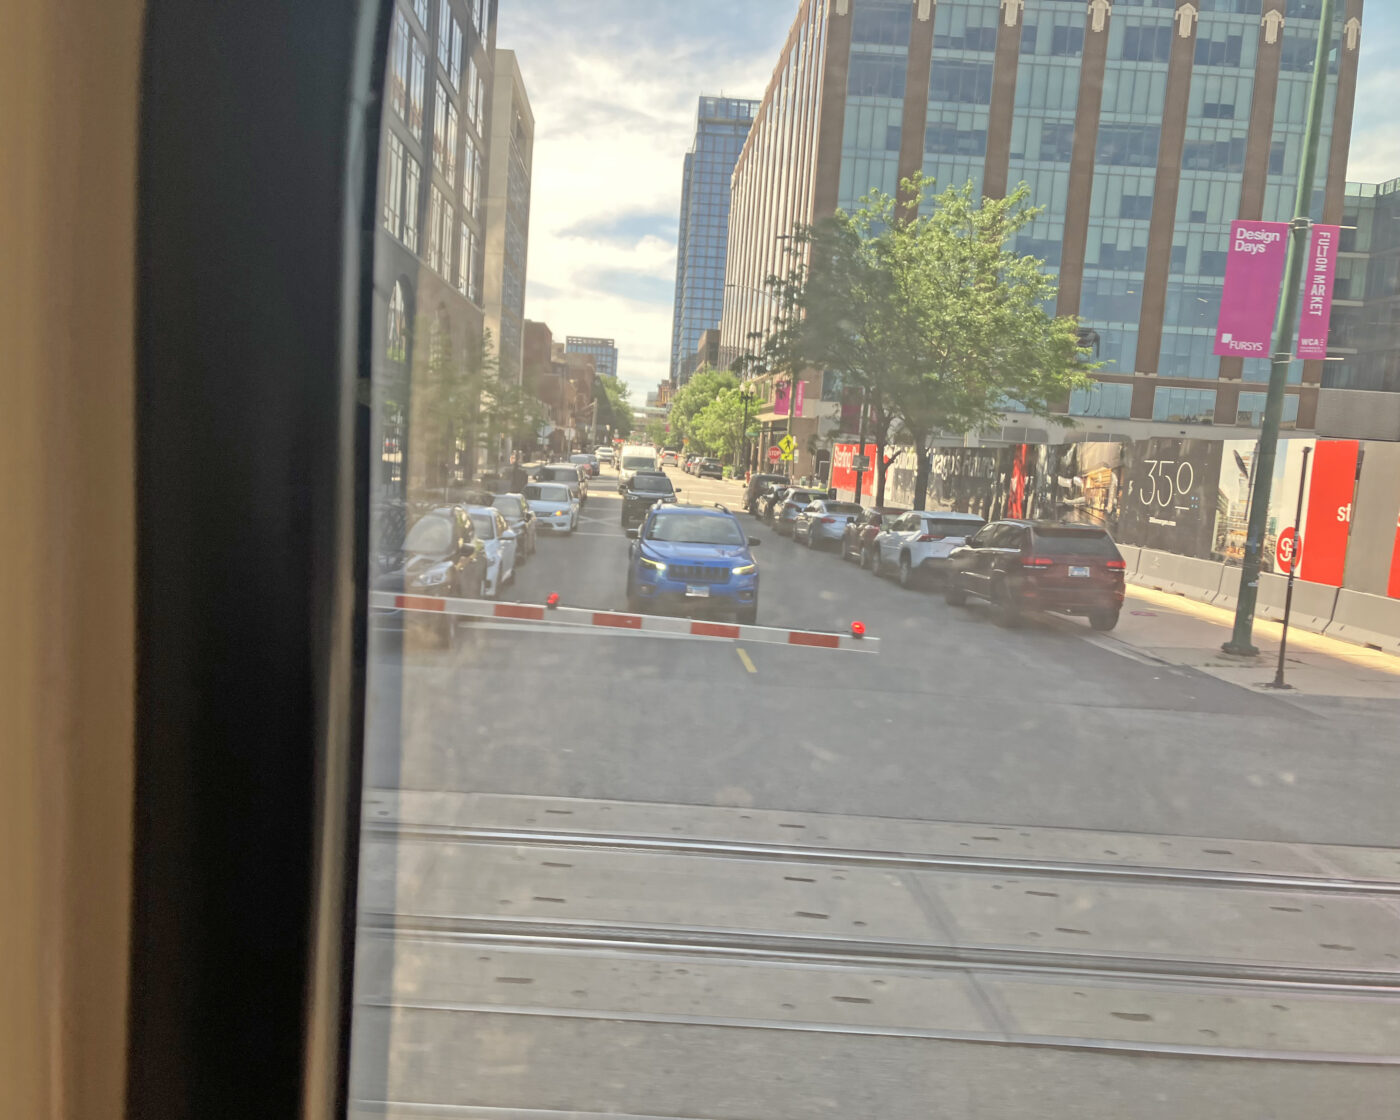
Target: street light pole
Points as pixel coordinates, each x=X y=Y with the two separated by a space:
x=1241 y=640
x=860 y=441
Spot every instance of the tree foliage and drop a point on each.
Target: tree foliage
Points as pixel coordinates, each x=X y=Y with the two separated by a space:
x=718 y=428
x=694 y=397
x=934 y=316
x=614 y=408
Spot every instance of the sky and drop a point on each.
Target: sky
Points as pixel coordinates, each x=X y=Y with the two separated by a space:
x=614 y=85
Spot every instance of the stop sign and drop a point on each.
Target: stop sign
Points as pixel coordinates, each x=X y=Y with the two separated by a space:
x=774 y=454
x=1287 y=550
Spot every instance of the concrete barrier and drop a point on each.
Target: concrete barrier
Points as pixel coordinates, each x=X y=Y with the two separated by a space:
x=1371 y=620
x=1132 y=556
x=1183 y=575
x=1313 y=603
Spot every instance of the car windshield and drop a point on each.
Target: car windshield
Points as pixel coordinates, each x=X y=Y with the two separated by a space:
x=580 y=458
x=850 y=509
x=694 y=528
x=638 y=462
x=431 y=536
x=485 y=526
x=509 y=506
x=652 y=483
x=950 y=527
x=1073 y=542
x=547 y=493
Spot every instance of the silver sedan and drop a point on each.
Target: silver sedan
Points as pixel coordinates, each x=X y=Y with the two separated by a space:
x=823 y=522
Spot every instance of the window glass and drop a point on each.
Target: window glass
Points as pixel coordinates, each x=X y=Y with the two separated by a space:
x=680 y=527
x=485 y=525
x=431 y=535
x=1073 y=542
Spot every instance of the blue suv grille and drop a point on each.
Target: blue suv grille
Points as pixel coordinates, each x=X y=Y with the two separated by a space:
x=698 y=573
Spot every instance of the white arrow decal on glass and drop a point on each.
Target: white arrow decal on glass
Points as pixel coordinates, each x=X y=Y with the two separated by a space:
x=1186 y=20
x=1272 y=23
x=1099 y=11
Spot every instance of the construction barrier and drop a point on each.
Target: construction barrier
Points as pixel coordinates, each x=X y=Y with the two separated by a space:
x=1369 y=620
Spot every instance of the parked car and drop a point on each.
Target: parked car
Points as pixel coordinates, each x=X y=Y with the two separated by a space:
x=644 y=490
x=915 y=546
x=758 y=486
x=688 y=463
x=769 y=502
x=794 y=500
x=858 y=537
x=501 y=546
x=568 y=473
x=823 y=522
x=440 y=556
x=605 y=454
x=521 y=518
x=554 y=506
x=1040 y=565
x=709 y=468
x=587 y=461
x=692 y=559
x=668 y=458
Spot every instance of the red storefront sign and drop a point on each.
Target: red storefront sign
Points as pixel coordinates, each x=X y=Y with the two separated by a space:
x=1328 y=526
x=843 y=475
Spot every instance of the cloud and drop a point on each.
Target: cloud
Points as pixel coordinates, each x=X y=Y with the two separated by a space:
x=1374 y=155
x=614 y=85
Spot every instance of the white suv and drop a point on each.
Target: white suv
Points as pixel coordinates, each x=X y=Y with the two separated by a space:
x=917 y=544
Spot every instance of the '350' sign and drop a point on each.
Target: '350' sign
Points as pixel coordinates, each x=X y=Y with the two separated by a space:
x=1166 y=481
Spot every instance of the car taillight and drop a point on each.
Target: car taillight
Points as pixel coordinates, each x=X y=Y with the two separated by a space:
x=828 y=521
x=1037 y=562
x=930 y=537
x=1116 y=566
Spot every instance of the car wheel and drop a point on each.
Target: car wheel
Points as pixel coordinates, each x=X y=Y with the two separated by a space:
x=906 y=573
x=1004 y=611
x=876 y=564
x=954 y=595
x=811 y=538
x=747 y=616
x=1103 y=620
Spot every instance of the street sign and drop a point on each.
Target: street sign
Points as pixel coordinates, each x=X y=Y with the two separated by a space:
x=1289 y=549
x=860 y=463
x=786 y=446
x=774 y=454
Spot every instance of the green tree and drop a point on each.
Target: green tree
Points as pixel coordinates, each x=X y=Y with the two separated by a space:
x=932 y=314
x=703 y=387
x=718 y=428
x=614 y=408
x=656 y=433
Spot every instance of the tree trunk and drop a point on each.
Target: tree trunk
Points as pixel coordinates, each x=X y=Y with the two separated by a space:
x=925 y=464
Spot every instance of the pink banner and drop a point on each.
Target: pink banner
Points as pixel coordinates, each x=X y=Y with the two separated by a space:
x=1253 y=272
x=1321 y=274
x=780 y=398
x=801 y=396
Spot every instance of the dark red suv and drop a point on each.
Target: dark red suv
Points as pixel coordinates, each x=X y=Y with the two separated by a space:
x=858 y=539
x=1040 y=565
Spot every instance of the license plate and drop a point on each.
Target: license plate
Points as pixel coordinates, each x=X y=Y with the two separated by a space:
x=1078 y=571
x=696 y=591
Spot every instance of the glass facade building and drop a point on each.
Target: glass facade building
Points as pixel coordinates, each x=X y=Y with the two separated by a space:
x=721 y=126
x=1366 y=300
x=1142 y=129
x=603 y=351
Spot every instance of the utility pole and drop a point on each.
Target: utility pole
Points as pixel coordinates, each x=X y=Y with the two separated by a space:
x=860 y=441
x=1241 y=641
x=1278 y=681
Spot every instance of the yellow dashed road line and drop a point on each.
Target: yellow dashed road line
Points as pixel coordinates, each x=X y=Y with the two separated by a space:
x=746 y=659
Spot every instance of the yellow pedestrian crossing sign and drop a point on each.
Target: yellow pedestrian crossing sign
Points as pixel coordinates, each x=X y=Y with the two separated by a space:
x=787 y=445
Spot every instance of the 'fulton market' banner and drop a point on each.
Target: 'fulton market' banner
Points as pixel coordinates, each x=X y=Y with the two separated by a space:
x=1253 y=272
x=1316 y=313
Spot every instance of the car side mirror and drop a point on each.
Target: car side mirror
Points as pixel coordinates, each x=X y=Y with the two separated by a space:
x=754 y=542
x=633 y=533
x=508 y=535
x=678 y=490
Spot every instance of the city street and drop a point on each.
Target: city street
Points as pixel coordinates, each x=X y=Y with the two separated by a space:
x=675 y=865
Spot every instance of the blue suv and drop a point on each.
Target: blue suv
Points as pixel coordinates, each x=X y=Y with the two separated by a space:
x=692 y=560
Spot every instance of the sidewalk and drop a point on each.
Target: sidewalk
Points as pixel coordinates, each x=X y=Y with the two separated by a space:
x=1181 y=631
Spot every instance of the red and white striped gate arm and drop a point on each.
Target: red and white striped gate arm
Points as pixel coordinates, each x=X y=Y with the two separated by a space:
x=632 y=623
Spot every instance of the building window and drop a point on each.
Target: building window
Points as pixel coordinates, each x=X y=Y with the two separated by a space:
x=875 y=76
x=892 y=136
x=441 y=223
x=420 y=9
x=396 y=347
x=1277 y=151
x=445 y=135
x=888 y=27
x=949 y=140
x=398 y=65
x=411 y=175
x=1104 y=398
x=468 y=274
x=1067 y=42
x=967 y=82
x=1184 y=406
x=469 y=165
x=1136 y=206
x=1218 y=111
x=455 y=70
x=478 y=10
x=479 y=116
x=1250 y=411
x=477 y=185
x=1213 y=155
x=1147 y=44
x=418 y=69
x=1129 y=145
x=393 y=184
x=1219 y=52
x=444 y=34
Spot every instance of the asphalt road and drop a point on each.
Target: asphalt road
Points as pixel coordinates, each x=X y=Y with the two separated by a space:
x=952 y=719
x=555 y=922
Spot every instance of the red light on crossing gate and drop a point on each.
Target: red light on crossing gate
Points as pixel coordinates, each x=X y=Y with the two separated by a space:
x=552 y=600
x=857 y=629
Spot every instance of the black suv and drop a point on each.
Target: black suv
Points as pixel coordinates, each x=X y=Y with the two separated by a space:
x=759 y=487
x=709 y=468
x=643 y=491
x=1040 y=565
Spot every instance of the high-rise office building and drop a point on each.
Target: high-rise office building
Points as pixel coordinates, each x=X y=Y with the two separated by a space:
x=603 y=351
x=433 y=161
x=721 y=126
x=1142 y=129
x=511 y=138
